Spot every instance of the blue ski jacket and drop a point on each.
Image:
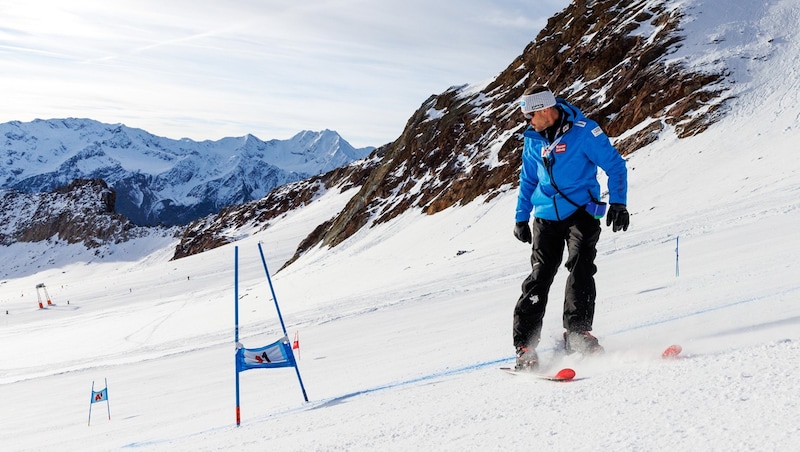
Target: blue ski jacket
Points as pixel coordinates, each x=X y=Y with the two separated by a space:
x=558 y=178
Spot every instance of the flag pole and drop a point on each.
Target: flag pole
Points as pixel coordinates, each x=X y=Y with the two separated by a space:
x=236 y=325
x=108 y=404
x=272 y=290
x=280 y=317
x=90 y=406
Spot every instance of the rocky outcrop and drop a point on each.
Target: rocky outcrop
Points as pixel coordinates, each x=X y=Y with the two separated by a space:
x=608 y=57
x=81 y=212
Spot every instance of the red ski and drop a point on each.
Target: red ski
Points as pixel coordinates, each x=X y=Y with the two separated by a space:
x=672 y=351
x=565 y=374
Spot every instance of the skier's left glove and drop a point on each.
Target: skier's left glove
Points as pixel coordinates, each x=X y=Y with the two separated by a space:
x=618 y=215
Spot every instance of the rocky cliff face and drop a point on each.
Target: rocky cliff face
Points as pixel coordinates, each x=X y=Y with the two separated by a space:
x=610 y=58
x=81 y=212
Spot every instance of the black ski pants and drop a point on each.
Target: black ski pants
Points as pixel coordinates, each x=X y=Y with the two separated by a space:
x=579 y=233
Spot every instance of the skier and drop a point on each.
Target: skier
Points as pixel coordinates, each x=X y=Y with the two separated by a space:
x=558 y=183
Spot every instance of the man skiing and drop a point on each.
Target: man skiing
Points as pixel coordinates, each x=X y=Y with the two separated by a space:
x=558 y=183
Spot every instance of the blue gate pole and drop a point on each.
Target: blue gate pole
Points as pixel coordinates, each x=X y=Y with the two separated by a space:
x=91 y=401
x=236 y=326
x=272 y=290
x=108 y=404
x=280 y=317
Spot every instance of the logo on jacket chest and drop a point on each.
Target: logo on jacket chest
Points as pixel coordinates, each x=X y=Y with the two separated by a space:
x=561 y=148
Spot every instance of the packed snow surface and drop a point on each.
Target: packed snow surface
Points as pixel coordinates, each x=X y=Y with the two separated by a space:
x=403 y=327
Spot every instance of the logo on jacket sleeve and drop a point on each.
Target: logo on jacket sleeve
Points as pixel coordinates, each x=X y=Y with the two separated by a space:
x=597 y=131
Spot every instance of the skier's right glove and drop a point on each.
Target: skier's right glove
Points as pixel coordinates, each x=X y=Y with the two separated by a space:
x=522 y=231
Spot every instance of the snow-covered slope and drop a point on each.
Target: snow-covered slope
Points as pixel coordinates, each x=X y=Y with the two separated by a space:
x=403 y=325
x=160 y=180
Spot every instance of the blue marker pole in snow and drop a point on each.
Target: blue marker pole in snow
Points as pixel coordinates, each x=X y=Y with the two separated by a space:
x=272 y=290
x=89 y=424
x=280 y=317
x=108 y=404
x=236 y=324
x=677 y=271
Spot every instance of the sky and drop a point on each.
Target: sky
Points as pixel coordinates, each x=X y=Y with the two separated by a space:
x=403 y=327
x=207 y=70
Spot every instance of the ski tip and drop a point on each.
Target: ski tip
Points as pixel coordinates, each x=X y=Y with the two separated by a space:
x=562 y=375
x=565 y=374
x=672 y=351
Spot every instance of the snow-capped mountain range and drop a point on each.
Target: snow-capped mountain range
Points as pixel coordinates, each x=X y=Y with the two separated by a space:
x=160 y=180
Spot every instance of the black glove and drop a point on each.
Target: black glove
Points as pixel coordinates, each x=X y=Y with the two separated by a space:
x=522 y=231
x=618 y=214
